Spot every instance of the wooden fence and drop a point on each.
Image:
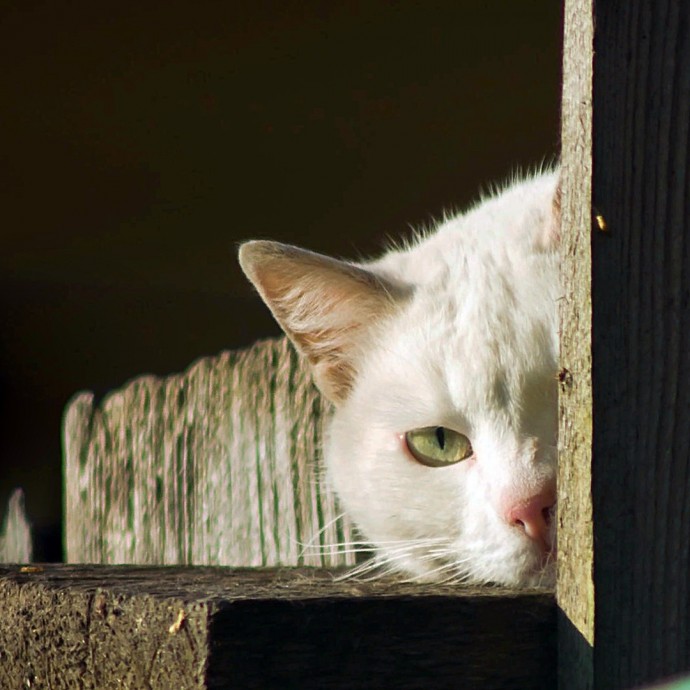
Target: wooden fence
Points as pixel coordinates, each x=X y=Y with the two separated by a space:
x=216 y=466
x=622 y=606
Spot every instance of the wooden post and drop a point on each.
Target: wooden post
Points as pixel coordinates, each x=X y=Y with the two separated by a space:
x=641 y=341
x=216 y=466
x=633 y=434
x=575 y=587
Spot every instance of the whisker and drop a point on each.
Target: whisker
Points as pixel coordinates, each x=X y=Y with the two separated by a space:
x=422 y=541
x=320 y=533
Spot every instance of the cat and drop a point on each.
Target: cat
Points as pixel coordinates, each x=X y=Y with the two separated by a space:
x=440 y=359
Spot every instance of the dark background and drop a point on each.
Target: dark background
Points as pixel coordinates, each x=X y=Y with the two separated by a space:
x=141 y=141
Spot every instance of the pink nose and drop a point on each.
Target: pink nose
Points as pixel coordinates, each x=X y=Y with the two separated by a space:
x=533 y=516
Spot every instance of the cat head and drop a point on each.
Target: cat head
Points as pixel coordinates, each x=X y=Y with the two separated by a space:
x=440 y=360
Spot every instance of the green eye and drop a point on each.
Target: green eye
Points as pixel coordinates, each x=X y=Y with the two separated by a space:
x=436 y=446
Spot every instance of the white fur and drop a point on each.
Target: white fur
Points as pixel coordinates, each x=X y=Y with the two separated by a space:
x=472 y=345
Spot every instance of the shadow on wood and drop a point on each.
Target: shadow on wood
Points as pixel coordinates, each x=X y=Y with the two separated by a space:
x=575 y=654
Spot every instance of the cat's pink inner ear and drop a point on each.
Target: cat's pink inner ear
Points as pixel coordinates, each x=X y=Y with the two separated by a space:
x=325 y=307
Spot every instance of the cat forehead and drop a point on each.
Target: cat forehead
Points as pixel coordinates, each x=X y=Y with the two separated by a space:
x=472 y=288
x=470 y=338
x=482 y=288
x=438 y=358
x=504 y=230
x=483 y=322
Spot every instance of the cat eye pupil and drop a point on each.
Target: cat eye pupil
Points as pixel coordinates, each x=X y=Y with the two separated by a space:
x=440 y=437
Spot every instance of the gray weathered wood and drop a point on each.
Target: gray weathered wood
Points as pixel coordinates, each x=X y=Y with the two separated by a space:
x=16 y=544
x=219 y=465
x=575 y=589
x=636 y=257
x=169 y=628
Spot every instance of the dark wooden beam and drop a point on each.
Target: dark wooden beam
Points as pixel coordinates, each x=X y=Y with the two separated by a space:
x=175 y=627
x=641 y=341
x=624 y=482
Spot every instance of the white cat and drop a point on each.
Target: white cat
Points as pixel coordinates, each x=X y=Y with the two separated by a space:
x=441 y=361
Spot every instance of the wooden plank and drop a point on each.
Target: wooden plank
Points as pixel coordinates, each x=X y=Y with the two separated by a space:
x=575 y=589
x=641 y=341
x=636 y=257
x=16 y=544
x=219 y=465
x=107 y=627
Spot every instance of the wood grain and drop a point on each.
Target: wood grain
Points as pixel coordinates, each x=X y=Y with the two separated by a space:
x=219 y=465
x=633 y=411
x=16 y=544
x=575 y=588
x=108 y=627
x=641 y=341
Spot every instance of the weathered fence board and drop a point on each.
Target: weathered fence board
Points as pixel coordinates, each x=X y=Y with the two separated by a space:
x=16 y=545
x=635 y=253
x=170 y=628
x=219 y=465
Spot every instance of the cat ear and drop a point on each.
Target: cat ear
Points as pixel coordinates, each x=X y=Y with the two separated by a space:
x=550 y=236
x=324 y=306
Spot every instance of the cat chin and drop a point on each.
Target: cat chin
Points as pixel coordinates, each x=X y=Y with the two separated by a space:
x=536 y=574
x=518 y=566
x=521 y=566
x=540 y=574
x=532 y=572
